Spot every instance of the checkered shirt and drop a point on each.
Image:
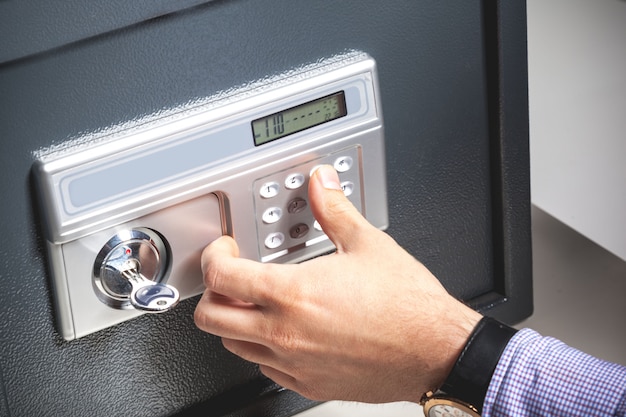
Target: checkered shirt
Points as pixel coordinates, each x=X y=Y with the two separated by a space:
x=541 y=376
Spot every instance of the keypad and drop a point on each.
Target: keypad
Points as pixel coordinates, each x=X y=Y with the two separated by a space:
x=285 y=222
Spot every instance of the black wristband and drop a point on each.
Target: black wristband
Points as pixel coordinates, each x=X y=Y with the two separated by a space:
x=470 y=377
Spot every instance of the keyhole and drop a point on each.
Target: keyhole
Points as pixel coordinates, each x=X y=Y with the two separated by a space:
x=141 y=249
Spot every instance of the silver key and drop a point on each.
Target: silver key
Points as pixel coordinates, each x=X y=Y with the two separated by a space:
x=147 y=295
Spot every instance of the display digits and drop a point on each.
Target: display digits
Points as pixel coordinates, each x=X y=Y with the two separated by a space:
x=299 y=118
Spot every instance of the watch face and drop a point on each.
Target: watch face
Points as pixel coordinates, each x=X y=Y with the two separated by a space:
x=448 y=407
x=445 y=410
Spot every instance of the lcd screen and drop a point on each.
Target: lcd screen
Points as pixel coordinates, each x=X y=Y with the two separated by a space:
x=299 y=118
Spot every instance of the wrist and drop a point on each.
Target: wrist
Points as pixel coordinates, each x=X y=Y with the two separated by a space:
x=471 y=373
x=438 y=352
x=458 y=333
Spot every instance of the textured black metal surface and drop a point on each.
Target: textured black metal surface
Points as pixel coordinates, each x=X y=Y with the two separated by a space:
x=457 y=156
x=34 y=26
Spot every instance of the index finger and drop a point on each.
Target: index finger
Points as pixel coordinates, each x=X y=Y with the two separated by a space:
x=242 y=279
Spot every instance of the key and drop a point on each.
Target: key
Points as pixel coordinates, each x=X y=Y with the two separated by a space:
x=147 y=295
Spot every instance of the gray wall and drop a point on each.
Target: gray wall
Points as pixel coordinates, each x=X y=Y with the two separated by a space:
x=577 y=62
x=457 y=174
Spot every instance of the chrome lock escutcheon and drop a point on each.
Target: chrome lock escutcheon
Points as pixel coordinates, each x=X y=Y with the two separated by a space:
x=131 y=271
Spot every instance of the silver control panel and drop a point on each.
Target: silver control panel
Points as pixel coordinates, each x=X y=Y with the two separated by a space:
x=128 y=212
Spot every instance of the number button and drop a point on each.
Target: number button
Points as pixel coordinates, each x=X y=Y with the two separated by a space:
x=343 y=164
x=347 y=187
x=274 y=240
x=272 y=215
x=298 y=231
x=294 y=181
x=269 y=189
x=296 y=205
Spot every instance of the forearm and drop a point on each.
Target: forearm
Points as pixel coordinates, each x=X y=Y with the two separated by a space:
x=541 y=376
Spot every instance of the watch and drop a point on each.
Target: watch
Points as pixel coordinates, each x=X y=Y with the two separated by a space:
x=441 y=405
x=463 y=392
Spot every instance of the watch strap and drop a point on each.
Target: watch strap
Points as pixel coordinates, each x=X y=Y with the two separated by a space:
x=472 y=372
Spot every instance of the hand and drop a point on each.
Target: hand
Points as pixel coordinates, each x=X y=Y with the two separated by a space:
x=368 y=323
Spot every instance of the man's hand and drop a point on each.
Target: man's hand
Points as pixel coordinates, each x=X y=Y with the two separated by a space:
x=368 y=323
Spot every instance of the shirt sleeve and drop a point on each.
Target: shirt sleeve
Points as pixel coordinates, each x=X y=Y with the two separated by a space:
x=541 y=376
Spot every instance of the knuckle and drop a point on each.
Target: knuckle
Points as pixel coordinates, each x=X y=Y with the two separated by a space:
x=214 y=275
x=200 y=318
x=232 y=346
x=211 y=276
x=213 y=259
x=286 y=341
x=339 y=207
x=310 y=391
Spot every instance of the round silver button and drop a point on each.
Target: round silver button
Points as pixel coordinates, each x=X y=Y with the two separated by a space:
x=272 y=215
x=347 y=187
x=343 y=163
x=294 y=181
x=274 y=240
x=269 y=189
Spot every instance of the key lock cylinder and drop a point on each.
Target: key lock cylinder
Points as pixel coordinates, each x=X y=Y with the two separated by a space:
x=131 y=271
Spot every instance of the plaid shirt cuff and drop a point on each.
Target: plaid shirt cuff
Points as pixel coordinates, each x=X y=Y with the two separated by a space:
x=541 y=376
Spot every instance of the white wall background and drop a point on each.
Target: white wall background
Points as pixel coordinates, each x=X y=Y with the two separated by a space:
x=577 y=92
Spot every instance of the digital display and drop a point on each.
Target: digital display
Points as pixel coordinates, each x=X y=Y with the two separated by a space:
x=299 y=118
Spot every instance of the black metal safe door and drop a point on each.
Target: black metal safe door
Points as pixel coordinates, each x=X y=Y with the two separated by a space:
x=453 y=84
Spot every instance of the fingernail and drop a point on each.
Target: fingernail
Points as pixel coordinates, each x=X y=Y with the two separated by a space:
x=329 y=177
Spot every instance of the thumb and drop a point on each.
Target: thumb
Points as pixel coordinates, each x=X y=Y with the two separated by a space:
x=339 y=219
